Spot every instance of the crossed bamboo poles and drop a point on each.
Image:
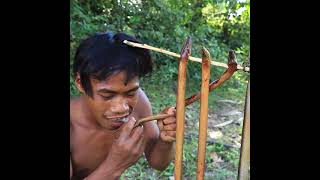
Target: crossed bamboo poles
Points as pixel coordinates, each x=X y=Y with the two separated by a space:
x=232 y=67
x=206 y=88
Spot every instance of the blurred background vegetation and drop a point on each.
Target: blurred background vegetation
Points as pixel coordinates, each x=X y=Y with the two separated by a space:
x=218 y=25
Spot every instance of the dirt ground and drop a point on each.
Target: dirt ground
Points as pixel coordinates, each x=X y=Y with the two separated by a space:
x=224 y=122
x=224 y=127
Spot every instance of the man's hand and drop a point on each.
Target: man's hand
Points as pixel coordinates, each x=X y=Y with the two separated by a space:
x=128 y=148
x=168 y=125
x=124 y=152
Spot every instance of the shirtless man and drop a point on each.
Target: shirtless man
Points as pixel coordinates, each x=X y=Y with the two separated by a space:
x=103 y=142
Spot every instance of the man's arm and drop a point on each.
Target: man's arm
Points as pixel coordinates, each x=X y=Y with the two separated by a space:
x=158 y=153
x=164 y=149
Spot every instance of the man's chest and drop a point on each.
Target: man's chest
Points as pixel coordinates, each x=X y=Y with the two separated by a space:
x=89 y=150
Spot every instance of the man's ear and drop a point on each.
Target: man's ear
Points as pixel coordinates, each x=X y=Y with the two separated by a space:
x=78 y=83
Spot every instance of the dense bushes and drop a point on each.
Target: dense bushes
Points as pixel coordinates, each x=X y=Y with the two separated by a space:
x=217 y=25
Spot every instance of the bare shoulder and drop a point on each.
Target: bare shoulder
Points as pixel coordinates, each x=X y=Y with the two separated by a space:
x=76 y=113
x=74 y=104
x=144 y=109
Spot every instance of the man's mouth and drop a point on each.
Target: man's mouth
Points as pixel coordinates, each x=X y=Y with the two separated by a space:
x=118 y=121
x=121 y=119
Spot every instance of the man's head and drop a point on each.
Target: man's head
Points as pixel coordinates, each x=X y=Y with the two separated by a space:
x=102 y=54
x=107 y=72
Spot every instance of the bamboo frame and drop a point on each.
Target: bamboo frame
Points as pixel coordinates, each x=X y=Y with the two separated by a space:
x=244 y=164
x=145 y=46
x=206 y=88
x=203 y=113
x=232 y=67
x=185 y=53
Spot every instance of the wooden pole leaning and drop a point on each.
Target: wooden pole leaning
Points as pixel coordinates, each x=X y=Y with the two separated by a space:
x=180 y=108
x=203 y=122
x=244 y=164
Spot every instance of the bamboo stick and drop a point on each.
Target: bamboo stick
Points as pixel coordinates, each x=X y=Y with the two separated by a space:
x=244 y=164
x=145 y=46
x=203 y=113
x=151 y=118
x=185 y=53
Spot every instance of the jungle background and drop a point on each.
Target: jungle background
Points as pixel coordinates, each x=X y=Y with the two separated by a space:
x=218 y=25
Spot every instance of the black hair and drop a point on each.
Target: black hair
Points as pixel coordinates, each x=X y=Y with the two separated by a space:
x=102 y=54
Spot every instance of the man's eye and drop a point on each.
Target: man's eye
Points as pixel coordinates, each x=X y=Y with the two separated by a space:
x=132 y=94
x=107 y=97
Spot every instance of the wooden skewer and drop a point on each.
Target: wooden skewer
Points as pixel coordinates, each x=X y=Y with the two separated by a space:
x=185 y=53
x=203 y=124
x=151 y=118
x=145 y=46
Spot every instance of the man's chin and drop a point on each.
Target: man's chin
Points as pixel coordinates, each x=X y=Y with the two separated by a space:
x=111 y=127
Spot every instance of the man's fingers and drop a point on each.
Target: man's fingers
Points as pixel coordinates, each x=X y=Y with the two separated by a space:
x=139 y=146
x=160 y=125
x=169 y=133
x=169 y=110
x=165 y=111
x=169 y=120
x=137 y=134
x=168 y=136
x=127 y=128
x=170 y=127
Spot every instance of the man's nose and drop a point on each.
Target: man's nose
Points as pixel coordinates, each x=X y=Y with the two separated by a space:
x=120 y=107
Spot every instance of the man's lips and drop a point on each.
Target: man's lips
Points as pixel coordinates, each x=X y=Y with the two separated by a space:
x=116 y=123
x=119 y=120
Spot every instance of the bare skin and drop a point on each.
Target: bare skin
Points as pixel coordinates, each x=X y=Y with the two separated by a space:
x=101 y=147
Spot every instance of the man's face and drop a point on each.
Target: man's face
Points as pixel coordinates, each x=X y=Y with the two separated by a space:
x=113 y=100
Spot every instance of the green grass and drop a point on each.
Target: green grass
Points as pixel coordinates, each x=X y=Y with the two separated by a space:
x=225 y=170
